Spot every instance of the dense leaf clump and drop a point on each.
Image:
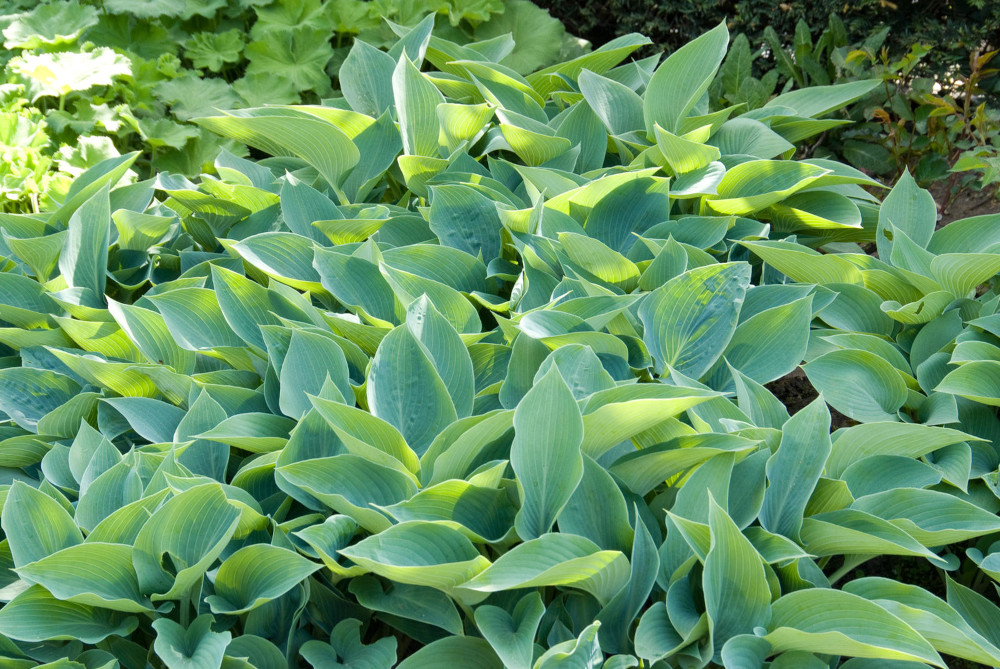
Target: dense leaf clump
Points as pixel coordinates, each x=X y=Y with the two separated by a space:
x=86 y=80
x=472 y=372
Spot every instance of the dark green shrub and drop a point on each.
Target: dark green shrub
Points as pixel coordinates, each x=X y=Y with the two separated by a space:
x=953 y=28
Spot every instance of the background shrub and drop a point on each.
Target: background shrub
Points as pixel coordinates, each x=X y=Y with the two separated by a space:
x=954 y=28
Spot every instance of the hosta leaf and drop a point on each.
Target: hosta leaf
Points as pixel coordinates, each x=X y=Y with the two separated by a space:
x=939 y=623
x=351 y=485
x=619 y=413
x=682 y=79
x=453 y=651
x=84 y=258
x=482 y=514
x=195 y=319
x=737 y=597
x=819 y=100
x=795 y=468
x=346 y=645
x=649 y=467
x=932 y=518
x=823 y=620
x=195 y=647
x=414 y=602
x=417 y=100
x=689 y=321
x=255 y=575
x=92 y=573
x=754 y=185
x=311 y=360
x=978 y=380
x=417 y=403
x=511 y=634
x=802 y=264
x=909 y=209
x=36 y=525
x=319 y=143
x=862 y=441
x=364 y=434
x=545 y=455
x=854 y=532
x=419 y=553
x=188 y=532
x=35 y=615
x=617 y=105
x=555 y=559
x=27 y=394
x=859 y=384
x=684 y=155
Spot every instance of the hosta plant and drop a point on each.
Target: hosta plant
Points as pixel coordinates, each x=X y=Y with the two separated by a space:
x=119 y=75
x=472 y=372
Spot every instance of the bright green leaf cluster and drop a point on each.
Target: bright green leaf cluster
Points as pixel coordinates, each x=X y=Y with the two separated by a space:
x=473 y=371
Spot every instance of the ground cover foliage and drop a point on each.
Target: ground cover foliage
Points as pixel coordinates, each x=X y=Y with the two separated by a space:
x=472 y=372
x=86 y=80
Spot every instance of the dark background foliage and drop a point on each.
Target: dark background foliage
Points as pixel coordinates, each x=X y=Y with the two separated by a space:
x=954 y=28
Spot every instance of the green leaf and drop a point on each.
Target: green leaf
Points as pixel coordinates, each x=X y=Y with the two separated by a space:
x=752 y=350
x=60 y=73
x=909 y=209
x=346 y=645
x=366 y=79
x=418 y=402
x=681 y=80
x=905 y=439
x=298 y=56
x=188 y=532
x=92 y=573
x=456 y=651
x=737 y=596
x=978 y=380
x=212 y=50
x=417 y=100
x=195 y=320
x=49 y=25
x=286 y=132
x=254 y=575
x=413 y=602
x=196 y=647
x=932 y=518
x=512 y=634
x=757 y=184
x=311 y=360
x=84 y=258
x=35 y=615
x=190 y=97
x=816 y=101
x=545 y=454
x=555 y=559
x=684 y=155
x=689 y=321
x=821 y=620
x=352 y=485
x=859 y=384
x=795 y=468
x=27 y=394
x=538 y=35
x=36 y=525
x=419 y=553
x=937 y=622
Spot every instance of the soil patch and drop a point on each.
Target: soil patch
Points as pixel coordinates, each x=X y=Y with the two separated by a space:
x=795 y=392
x=965 y=204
